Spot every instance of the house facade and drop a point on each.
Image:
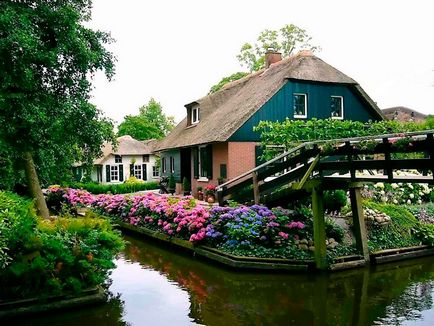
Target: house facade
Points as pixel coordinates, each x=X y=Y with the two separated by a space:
x=130 y=158
x=216 y=139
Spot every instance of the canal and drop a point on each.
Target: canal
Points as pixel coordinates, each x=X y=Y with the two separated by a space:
x=156 y=285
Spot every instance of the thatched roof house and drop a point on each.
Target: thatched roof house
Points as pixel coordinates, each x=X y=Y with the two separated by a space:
x=216 y=139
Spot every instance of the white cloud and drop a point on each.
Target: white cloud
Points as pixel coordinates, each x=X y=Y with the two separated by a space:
x=175 y=51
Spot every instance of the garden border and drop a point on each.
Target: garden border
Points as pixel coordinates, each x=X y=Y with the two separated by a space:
x=32 y=306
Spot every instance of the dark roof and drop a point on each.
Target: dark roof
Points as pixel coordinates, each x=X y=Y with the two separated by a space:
x=127 y=145
x=403 y=114
x=225 y=111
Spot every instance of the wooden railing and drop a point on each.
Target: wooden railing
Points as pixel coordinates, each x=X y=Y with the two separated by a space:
x=339 y=159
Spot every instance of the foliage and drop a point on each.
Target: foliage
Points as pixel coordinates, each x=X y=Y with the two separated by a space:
x=398 y=233
x=333 y=230
x=150 y=123
x=186 y=185
x=286 y=40
x=48 y=257
x=123 y=188
x=290 y=133
x=132 y=180
x=398 y=193
x=226 y=80
x=334 y=200
x=172 y=182
x=424 y=213
x=47 y=59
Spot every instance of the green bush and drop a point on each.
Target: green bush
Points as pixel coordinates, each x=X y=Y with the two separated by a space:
x=333 y=230
x=334 y=200
x=122 y=188
x=44 y=257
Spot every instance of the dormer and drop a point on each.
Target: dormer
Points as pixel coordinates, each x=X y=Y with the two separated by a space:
x=193 y=114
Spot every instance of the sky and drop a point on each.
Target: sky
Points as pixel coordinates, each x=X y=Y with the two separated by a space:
x=174 y=51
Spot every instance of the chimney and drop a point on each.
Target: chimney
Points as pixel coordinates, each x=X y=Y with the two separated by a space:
x=272 y=56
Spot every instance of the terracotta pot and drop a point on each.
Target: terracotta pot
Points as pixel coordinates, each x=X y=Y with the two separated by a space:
x=200 y=195
x=210 y=199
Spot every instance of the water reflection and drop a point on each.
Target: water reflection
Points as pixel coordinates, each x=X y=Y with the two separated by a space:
x=159 y=286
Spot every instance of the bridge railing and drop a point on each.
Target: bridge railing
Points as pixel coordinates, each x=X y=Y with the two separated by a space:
x=340 y=159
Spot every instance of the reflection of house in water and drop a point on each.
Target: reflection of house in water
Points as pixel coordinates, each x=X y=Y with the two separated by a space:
x=220 y=296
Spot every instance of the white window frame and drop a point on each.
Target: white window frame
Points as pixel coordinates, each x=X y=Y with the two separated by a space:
x=155 y=171
x=341 y=117
x=300 y=116
x=195 y=115
x=114 y=171
x=172 y=164
x=199 y=165
x=137 y=171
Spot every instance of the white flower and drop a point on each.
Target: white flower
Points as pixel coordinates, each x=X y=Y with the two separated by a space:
x=379 y=185
x=411 y=196
x=420 y=193
x=382 y=192
x=409 y=201
x=419 y=201
x=410 y=186
x=394 y=185
x=384 y=199
x=395 y=201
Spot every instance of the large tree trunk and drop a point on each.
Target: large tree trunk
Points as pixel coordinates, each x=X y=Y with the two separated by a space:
x=34 y=186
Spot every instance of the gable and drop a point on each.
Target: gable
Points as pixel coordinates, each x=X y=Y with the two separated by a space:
x=280 y=106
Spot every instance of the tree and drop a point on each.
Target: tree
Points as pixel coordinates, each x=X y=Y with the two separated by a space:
x=150 y=123
x=225 y=80
x=47 y=60
x=286 y=40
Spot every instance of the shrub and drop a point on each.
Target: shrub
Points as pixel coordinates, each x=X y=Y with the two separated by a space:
x=123 y=188
x=333 y=230
x=46 y=257
x=172 y=182
x=334 y=200
x=186 y=185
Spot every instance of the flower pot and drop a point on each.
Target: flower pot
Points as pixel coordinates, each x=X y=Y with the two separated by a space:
x=200 y=195
x=210 y=199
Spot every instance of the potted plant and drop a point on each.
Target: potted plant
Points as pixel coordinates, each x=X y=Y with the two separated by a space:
x=186 y=186
x=210 y=193
x=221 y=180
x=199 y=193
x=172 y=184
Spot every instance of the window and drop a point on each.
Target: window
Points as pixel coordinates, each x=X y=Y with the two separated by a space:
x=146 y=158
x=299 y=102
x=138 y=171
x=155 y=172
x=203 y=162
x=163 y=165
x=118 y=159
x=172 y=164
x=114 y=173
x=195 y=115
x=337 y=107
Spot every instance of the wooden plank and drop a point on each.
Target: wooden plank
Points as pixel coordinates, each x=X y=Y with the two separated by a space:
x=256 y=193
x=319 y=229
x=348 y=265
x=283 y=179
x=309 y=171
x=359 y=223
x=380 y=178
x=401 y=164
x=402 y=256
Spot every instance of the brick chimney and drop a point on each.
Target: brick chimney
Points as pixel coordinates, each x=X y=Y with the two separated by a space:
x=272 y=56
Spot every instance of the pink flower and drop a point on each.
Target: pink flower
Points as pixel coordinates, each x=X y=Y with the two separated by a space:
x=283 y=235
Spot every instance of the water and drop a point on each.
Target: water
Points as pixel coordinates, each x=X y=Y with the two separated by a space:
x=160 y=286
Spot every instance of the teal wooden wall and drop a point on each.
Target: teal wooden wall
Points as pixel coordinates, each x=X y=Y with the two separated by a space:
x=175 y=153
x=280 y=106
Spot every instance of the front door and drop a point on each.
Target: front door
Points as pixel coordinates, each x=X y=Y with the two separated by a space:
x=186 y=164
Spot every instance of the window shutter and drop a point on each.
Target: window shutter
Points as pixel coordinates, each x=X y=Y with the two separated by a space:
x=144 y=172
x=208 y=160
x=195 y=162
x=107 y=173
x=131 y=170
x=121 y=172
x=223 y=171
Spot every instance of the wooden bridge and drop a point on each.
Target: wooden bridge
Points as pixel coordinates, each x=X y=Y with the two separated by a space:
x=313 y=167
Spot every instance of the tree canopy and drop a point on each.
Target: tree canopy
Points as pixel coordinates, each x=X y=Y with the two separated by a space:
x=150 y=123
x=286 y=40
x=47 y=61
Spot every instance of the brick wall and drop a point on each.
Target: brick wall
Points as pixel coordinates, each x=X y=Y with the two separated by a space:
x=241 y=158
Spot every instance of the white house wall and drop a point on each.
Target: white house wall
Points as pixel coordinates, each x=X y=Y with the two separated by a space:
x=126 y=161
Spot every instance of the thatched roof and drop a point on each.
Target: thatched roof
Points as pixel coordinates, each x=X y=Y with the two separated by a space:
x=127 y=145
x=403 y=114
x=224 y=112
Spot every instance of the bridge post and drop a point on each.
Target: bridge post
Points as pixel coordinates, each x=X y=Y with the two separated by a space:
x=256 y=193
x=319 y=234
x=359 y=222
